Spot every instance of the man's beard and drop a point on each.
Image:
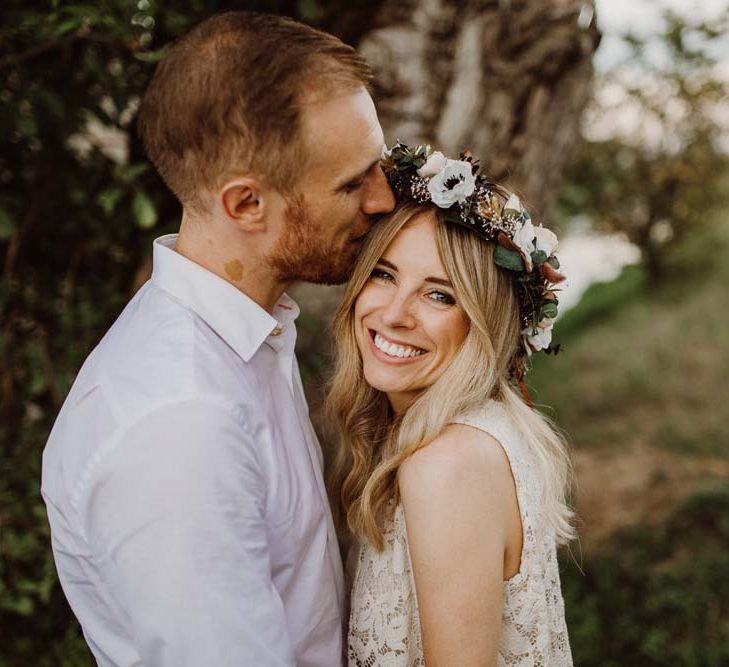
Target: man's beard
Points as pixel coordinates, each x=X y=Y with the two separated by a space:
x=300 y=253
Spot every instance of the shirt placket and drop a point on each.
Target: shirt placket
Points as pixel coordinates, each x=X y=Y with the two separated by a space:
x=284 y=336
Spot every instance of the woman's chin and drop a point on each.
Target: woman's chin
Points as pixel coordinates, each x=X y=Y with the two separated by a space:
x=387 y=385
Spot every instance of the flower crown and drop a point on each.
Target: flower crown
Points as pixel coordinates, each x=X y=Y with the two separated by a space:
x=470 y=200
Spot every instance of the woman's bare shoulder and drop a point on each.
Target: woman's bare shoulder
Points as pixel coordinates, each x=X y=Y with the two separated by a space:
x=461 y=459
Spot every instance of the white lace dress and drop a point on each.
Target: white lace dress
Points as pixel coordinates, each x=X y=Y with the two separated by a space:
x=384 y=627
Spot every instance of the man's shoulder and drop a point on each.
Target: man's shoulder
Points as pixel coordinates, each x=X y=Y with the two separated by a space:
x=159 y=350
x=157 y=358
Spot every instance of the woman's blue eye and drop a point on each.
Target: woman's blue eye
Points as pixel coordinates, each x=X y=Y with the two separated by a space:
x=442 y=297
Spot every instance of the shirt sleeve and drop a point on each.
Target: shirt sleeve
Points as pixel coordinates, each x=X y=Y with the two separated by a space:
x=175 y=516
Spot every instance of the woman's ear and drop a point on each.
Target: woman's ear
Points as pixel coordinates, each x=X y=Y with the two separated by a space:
x=244 y=204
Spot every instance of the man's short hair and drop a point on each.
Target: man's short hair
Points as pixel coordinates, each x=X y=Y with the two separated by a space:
x=227 y=99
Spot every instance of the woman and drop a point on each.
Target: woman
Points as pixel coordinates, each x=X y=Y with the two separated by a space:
x=452 y=484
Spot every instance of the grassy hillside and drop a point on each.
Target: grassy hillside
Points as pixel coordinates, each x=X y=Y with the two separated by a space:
x=642 y=391
x=648 y=364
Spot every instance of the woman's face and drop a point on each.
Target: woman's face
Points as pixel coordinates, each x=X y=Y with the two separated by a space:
x=408 y=322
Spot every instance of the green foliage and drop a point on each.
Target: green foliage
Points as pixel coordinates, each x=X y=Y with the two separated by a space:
x=79 y=206
x=663 y=179
x=508 y=259
x=655 y=597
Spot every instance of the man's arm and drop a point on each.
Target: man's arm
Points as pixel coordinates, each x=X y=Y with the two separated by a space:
x=175 y=516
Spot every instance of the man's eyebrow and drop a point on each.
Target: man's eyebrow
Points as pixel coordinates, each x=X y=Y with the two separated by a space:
x=429 y=279
x=360 y=174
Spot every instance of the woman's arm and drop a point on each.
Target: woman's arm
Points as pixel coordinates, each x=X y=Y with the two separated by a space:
x=460 y=506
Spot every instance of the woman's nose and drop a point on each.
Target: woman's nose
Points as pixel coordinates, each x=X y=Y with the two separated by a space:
x=398 y=312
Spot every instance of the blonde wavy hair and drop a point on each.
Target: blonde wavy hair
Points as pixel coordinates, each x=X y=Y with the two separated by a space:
x=374 y=442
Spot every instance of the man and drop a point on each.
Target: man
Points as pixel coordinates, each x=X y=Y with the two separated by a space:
x=183 y=478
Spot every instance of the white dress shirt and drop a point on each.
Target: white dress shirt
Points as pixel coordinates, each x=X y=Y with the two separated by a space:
x=183 y=482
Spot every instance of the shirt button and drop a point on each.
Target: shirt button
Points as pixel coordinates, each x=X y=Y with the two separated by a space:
x=277 y=331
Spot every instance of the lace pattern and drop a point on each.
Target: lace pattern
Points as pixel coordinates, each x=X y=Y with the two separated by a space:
x=384 y=624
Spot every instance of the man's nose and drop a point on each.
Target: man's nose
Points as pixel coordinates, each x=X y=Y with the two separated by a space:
x=378 y=197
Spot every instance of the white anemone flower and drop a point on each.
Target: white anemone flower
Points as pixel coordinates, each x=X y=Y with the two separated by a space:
x=540 y=337
x=524 y=238
x=435 y=162
x=513 y=203
x=546 y=240
x=453 y=183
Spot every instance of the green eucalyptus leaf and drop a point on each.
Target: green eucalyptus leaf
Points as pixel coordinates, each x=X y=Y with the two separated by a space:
x=539 y=257
x=548 y=310
x=67 y=26
x=145 y=214
x=553 y=261
x=508 y=259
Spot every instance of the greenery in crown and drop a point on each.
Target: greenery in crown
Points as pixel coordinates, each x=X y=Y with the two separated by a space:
x=470 y=200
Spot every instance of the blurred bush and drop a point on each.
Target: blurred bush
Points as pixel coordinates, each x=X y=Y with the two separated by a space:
x=655 y=597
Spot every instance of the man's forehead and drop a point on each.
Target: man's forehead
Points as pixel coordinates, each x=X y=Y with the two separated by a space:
x=342 y=132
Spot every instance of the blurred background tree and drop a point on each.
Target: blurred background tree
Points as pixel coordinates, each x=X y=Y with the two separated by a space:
x=661 y=177
x=507 y=80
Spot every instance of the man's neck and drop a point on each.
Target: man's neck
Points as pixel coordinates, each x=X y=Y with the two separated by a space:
x=227 y=256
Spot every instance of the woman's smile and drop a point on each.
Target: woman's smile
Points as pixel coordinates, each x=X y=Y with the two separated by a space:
x=393 y=352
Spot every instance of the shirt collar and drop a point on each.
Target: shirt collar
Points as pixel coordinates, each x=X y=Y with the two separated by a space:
x=235 y=317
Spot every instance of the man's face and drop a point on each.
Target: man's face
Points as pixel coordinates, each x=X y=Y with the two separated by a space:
x=340 y=190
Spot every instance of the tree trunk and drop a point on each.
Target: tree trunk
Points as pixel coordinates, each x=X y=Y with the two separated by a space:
x=506 y=79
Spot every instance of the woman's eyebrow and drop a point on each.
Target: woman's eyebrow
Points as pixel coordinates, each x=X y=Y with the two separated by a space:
x=429 y=279
x=389 y=265
x=439 y=281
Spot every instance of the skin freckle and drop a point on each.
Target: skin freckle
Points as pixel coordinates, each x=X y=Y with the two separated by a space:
x=234 y=270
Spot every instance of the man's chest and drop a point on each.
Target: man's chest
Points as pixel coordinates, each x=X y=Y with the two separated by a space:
x=296 y=505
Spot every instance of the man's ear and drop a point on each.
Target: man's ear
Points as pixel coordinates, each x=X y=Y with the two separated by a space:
x=244 y=203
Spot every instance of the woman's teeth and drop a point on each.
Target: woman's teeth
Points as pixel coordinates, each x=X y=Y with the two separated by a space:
x=396 y=350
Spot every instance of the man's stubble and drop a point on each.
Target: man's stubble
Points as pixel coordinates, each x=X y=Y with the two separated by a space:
x=303 y=254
